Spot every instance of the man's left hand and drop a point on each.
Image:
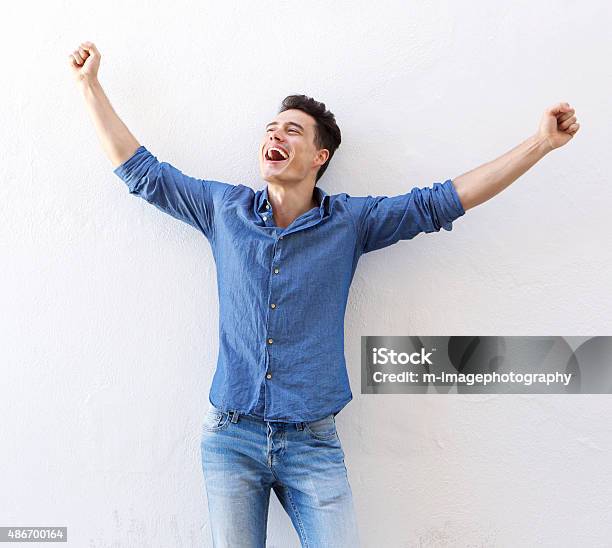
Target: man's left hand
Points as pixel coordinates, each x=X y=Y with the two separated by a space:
x=558 y=125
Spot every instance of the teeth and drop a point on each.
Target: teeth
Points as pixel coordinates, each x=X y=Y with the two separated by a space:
x=282 y=152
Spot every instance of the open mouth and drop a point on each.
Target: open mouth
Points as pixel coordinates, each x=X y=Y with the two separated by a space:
x=275 y=156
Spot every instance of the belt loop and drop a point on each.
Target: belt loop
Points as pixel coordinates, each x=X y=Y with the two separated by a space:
x=299 y=426
x=235 y=415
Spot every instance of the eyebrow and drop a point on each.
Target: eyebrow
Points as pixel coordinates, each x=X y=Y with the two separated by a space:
x=286 y=123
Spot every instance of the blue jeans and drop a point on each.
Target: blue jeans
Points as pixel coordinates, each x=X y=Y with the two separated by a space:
x=244 y=456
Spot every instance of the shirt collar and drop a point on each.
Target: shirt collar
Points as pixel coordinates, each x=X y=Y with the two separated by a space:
x=321 y=196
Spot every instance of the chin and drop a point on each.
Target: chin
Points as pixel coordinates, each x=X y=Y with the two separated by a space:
x=270 y=177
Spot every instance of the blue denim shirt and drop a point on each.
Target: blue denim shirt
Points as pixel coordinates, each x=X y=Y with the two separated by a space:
x=283 y=291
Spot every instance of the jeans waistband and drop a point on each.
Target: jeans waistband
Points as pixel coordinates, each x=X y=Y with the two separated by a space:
x=235 y=416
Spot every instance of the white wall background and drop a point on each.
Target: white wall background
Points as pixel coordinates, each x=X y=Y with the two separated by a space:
x=109 y=307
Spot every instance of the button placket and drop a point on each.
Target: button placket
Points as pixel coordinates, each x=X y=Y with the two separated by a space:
x=267 y=213
x=273 y=305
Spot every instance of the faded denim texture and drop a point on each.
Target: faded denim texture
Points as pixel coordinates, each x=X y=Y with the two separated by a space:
x=244 y=458
x=283 y=291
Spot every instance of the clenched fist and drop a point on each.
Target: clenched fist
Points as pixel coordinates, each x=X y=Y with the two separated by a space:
x=558 y=125
x=85 y=61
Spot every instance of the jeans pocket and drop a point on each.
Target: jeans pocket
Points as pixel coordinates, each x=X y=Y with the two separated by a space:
x=322 y=429
x=215 y=420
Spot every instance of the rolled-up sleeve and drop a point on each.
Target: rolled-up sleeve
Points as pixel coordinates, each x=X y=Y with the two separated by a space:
x=382 y=221
x=193 y=201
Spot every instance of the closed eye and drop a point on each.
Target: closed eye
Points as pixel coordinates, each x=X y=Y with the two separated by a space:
x=294 y=130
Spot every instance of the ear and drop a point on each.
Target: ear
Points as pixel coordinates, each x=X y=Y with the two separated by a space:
x=322 y=155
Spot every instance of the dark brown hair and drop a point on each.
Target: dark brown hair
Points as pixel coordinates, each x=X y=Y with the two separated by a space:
x=326 y=134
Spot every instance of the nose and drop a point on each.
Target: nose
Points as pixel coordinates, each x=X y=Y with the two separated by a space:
x=274 y=135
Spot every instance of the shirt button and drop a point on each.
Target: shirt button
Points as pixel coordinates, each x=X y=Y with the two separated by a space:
x=281 y=237
x=269 y=341
x=267 y=206
x=265 y=218
x=276 y=271
x=269 y=376
x=273 y=305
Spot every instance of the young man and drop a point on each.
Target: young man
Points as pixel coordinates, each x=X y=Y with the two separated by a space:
x=285 y=258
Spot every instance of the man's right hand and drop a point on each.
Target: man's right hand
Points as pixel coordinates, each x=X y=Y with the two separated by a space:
x=84 y=62
x=119 y=144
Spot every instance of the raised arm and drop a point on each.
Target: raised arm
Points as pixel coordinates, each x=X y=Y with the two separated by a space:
x=116 y=139
x=189 y=199
x=557 y=127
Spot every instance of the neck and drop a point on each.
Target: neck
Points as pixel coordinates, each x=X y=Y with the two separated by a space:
x=289 y=202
